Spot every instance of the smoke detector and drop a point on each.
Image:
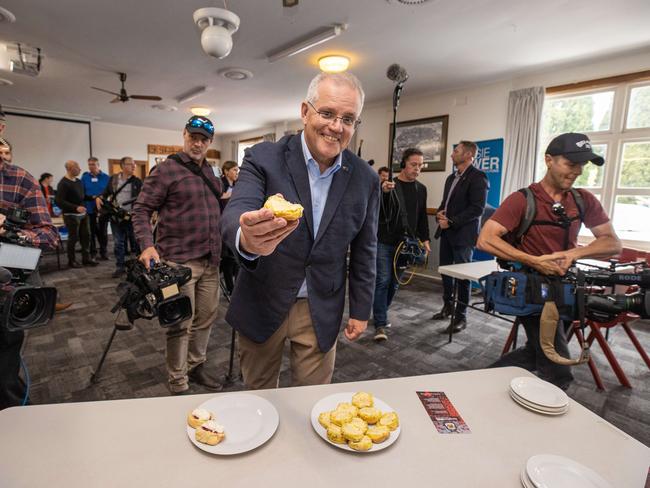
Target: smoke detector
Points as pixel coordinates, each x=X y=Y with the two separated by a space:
x=6 y=16
x=235 y=74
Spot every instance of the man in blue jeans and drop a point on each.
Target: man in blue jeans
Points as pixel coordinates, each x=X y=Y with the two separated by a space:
x=403 y=211
x=123 y=189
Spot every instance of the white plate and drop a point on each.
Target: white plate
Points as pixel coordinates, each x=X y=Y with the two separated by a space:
x=249 y=421
x=526 y=403
x=538 y=409
x=525 y=481
x=330 y=402
x=539 y=392
x=550 y=471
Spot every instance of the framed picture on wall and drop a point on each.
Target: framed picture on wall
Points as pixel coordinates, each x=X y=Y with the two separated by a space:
x=428 y=135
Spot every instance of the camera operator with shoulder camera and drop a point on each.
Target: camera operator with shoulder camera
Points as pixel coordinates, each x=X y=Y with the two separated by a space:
x=19 y=191
x=185 y=192
x=403 y=212
x=117 y=202
x=549 y=244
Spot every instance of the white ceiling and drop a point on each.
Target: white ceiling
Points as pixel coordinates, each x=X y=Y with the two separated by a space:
x=442 y=43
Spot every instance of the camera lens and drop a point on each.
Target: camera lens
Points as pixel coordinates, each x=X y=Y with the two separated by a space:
x=25 y=307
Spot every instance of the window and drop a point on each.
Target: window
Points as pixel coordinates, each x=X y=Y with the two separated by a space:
x=245 y=144
x=617 y=120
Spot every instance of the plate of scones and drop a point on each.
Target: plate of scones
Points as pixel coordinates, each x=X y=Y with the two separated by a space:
x=356 y=422
x=232 y=423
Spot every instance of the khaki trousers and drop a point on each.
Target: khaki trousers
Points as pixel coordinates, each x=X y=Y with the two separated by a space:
x=260 y=363
x=187 y=342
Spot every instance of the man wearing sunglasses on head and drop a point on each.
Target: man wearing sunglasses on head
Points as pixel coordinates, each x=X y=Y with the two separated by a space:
x=292 y=280
x=549 y=245
x=185 y=192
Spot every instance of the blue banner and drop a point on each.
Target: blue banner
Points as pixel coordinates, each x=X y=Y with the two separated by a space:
x=489 y=159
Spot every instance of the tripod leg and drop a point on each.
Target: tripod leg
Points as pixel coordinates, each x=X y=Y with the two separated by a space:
x=95 y=375
x=229 y=376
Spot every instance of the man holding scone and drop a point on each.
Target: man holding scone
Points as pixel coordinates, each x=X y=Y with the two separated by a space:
x=294 y=270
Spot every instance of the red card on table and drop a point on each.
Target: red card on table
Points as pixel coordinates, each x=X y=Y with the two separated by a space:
x=442 y=412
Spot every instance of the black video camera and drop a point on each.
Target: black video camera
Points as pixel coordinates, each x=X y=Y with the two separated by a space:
x=117 y=214
x=22 y=306
x=411 y=252
x=605 y=307
x=155 y=293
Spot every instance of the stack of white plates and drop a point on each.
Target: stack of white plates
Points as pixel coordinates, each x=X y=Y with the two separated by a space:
x=549 y=471
x=539 y=396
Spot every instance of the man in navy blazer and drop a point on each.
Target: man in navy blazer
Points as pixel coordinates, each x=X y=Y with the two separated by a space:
x=293 y=274
x=459 y=216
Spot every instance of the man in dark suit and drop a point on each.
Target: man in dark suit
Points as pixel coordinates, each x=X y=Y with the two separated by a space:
x=458 y=217
x=293 y=275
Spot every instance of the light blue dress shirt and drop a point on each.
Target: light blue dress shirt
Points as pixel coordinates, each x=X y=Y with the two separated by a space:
x=319 y=185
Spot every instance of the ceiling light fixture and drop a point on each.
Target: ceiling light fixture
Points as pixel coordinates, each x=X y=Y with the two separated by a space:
x=201 y=111
x=307 y=43
x=7 y=16
x=217 y=27
x=334 y=63
x=235 y=74
x=5 y=82
x=191 y=94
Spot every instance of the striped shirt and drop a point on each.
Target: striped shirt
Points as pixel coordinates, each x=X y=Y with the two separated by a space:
x=19 y=189
x=188 y=213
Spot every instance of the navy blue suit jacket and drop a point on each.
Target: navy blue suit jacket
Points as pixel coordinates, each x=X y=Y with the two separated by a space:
x=465 y=207
x=266 y=288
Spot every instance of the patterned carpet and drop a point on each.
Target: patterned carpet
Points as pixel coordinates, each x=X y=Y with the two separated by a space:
x=62 y=356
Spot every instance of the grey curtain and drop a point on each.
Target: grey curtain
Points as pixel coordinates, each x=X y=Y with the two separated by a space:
x=522 y=138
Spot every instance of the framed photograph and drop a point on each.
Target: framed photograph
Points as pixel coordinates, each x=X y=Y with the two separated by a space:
x=428 y=135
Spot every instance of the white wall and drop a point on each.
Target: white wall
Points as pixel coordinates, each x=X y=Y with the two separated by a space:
x=226 y=142
x=113 y=141
x=476 y=113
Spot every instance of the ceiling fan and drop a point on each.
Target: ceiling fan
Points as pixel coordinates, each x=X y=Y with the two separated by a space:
x=122 y=96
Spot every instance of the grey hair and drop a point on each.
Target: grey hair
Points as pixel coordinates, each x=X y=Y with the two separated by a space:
x=345 y=77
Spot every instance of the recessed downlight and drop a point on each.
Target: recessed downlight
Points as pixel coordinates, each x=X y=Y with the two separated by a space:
x=334 y=63
x=235 y=74
x=201 y=111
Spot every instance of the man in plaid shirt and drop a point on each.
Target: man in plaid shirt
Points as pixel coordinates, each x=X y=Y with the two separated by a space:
x=19 y=189
x=187 y=234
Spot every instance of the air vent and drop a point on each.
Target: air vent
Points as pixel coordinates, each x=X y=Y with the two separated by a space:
x=236 y=74
x=164 y=108
x=6 y=16
x=408 y=2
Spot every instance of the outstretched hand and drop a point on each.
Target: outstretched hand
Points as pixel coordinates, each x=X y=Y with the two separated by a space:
x=261 y=231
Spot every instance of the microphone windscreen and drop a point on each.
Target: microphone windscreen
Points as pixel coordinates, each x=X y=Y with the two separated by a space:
x=396 y=73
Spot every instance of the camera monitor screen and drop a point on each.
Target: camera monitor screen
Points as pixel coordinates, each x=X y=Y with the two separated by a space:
x=21 y=257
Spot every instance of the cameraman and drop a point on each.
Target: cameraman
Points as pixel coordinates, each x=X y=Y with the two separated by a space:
x=185 y=192
x=122 y=189
x=19 y=189
x=542 y=247
x=403 y=211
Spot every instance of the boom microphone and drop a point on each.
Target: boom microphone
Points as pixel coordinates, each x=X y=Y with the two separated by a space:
x=396 y=73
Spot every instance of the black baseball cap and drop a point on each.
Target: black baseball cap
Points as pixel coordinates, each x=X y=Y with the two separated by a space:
x=575 y=147
x=200 y=125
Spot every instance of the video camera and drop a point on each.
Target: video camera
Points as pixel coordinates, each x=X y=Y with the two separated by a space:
x=155 y=293
x=22 y=306
x=116 y=213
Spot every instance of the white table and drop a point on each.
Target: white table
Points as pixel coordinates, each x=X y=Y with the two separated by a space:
x=469 y=271
x=143 y=443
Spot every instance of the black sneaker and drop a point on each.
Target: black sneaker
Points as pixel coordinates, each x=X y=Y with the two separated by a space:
x=103 y=257
x=118 y=272
x=380 y=334
x=443 y=314
x=199 y=376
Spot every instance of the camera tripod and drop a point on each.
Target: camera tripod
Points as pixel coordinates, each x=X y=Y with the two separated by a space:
x=229 y=378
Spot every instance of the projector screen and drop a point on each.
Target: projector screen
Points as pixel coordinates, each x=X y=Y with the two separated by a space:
x=43 y=144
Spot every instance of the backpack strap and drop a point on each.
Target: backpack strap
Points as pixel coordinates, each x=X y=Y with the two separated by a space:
x=529 y=215
x=196 y=169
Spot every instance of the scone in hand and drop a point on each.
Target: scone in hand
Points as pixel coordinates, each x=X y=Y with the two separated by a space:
x=210 y=433
x=283 y=209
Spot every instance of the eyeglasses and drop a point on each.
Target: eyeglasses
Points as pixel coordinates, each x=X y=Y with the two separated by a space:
x=202 y=124
x=328 y=116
